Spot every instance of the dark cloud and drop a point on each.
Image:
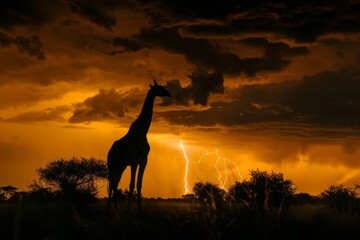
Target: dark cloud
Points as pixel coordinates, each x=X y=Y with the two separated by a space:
x=329 y=99
x=32 y=45
x=277 y=47
x=5 y=40
x=93 y=12
x=210 y=59
x=299 y=20
x=38 y=12
x=203 y=83
x=179 y=95
x=46 y=115
x=205 y=53
x=128 y=45
x=69 y=22
x=29 y=12
x=167 y=11
x=108 y=104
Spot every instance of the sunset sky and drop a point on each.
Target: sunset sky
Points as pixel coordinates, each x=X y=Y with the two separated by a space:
x=255 y=84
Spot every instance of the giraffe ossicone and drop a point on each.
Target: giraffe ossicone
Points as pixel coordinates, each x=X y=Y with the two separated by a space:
x=133 y=149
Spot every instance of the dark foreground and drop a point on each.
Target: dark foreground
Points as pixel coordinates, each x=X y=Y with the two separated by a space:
x=172 y=219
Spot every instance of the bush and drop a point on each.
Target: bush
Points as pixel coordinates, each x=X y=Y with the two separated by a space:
x=209 y=194
x=263 y=190
x=7 y=192
x=341 y=198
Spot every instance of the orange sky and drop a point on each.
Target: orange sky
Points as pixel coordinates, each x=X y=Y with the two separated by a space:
x=275 y=96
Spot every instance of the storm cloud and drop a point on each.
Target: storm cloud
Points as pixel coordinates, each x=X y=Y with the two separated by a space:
x=29 y=13
x=107 y=105
x=203 y=53
x=276 y=47
x=214 y=38
x=32 y=45
x=55 y=114
x=298 y=20
x=326 y=100
x=203 y=83
x=92 y=12
x=211 y=61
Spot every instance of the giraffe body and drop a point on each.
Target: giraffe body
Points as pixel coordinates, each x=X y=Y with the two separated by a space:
x=129 y=151
x=133 y=149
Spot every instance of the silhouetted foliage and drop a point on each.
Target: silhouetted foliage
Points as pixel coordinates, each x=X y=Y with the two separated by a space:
x=303 y=199
x=7 y=192
x=266 y=194
x=241 y=192
x=2 y=196
x=39 y=193
x=74 y=178
x=188 y=197
x=263 y=190
x=17 y=196
x=340 y=198
x=209 y=194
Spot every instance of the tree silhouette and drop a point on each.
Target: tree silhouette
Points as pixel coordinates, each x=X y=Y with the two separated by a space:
x=242 y=192
x=7 y=192
x=209 y=194
x=39 y=193
x=339 y=197
x=73 y=177
x=263 y=190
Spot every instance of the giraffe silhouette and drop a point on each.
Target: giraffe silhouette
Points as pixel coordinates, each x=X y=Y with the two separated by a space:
x=133 y=149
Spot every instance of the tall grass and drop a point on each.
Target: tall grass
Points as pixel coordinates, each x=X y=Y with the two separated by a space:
x=173 y=219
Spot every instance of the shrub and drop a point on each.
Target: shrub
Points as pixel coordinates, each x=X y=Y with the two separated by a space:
x=341 y=198
x=263 y=190
x=7 y=192
x=209 y=194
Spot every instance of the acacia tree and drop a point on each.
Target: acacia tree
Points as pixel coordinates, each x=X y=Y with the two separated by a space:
x=73 y=176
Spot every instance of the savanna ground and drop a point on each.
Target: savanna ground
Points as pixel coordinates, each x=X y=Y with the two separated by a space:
x=173 y=219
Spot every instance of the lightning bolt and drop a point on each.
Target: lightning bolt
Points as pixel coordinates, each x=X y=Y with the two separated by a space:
x=186 y=183
x=222 y=166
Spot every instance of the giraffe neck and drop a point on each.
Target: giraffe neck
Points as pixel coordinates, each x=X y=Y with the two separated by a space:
x=142 y=124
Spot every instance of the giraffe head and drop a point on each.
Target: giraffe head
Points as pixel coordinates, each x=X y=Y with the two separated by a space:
x=159 y=90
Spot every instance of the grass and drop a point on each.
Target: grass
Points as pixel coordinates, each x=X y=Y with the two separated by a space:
x=172 y=219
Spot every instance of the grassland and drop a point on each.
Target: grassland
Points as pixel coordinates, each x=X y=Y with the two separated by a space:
x=172 y=219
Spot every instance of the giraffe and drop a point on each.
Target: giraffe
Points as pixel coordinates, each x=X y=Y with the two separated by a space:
x=133 y=149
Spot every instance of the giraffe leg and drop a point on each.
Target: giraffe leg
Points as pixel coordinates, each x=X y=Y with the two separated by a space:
x=113 y=185
x=139 y=182
x=111 y=189
x=110 y=194
x=132 y=183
